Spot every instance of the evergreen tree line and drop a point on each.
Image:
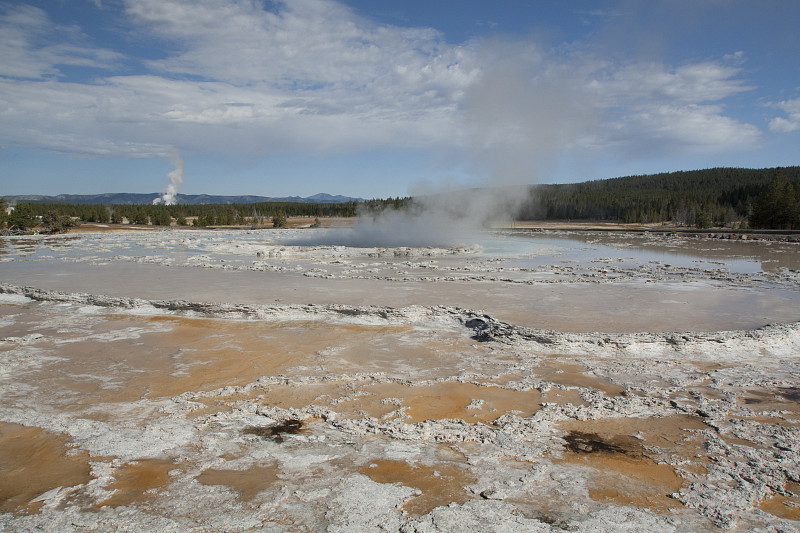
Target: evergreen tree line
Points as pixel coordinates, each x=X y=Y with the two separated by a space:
x=723 y=197
x=201 y=215
x=779 y=206
x=24 y=217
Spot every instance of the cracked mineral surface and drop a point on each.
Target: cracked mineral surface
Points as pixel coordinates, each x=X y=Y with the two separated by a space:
x=232 y=381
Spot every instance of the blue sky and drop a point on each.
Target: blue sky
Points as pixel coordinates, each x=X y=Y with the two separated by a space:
x=379 y=98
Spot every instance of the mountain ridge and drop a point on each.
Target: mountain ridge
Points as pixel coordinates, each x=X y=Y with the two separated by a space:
x=185 y=199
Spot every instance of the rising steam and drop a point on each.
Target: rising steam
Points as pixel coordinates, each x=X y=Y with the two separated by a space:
x=438 y=219
x=417 y=226
x=175 y=176
x=516 y=119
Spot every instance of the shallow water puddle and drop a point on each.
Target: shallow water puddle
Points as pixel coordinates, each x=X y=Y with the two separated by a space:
x=453 y=400
x=285 y=396
x=247 y=483
x=195 y=354
x=465 y=401
x=674 y=434
x=440 y=484
x=573 y=375
x=785 y=506
x=34 y=461
x=165 y=363
x=622 y=472
x=138 y=482
x=639 y=483
x=407 y=355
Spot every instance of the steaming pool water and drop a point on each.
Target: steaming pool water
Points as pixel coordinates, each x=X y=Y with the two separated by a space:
x=567 y=282
x=236 y=380
x=525 y=248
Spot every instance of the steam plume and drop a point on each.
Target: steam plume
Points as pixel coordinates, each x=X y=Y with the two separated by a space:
x=175 y=177
x=418 y=226
x=517 y=118
x=435 y=218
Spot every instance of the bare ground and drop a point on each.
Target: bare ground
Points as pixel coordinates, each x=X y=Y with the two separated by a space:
x=185 y=412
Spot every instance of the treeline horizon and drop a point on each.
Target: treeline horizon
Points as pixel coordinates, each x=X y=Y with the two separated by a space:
x=204 y=215
x=721 y=197
x=741 y=198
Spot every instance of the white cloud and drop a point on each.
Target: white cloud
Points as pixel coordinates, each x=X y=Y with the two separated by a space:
x=688 y=129
x=792 y=120
x=311 y=76
x=307 y=47
x=653 y=82
x=148 y=116
x=33 y=47
x=653 y=109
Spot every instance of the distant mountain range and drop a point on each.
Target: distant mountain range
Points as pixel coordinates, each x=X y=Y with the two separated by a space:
x=186 y=199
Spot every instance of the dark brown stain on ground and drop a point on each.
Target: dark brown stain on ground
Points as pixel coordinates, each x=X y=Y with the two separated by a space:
x=276 y=432
x=790 y=393
x=584 y=443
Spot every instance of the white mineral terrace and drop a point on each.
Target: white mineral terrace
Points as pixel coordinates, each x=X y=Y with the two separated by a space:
x=190 y=380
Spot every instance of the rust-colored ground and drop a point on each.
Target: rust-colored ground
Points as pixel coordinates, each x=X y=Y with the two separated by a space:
x=34 y=461
x=439 y=484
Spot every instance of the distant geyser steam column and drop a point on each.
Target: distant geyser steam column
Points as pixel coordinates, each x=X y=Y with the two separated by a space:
x=175 y=177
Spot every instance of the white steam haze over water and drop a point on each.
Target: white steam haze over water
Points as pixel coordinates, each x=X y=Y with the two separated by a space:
x=452 y=218
x=419 y=226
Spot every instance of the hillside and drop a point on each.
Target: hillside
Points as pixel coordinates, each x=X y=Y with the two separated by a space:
x=726 y=195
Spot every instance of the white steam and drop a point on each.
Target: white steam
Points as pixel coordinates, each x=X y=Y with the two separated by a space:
x=175 y=176
x=418 y=226
x=516 y=120
x=436 y=219
x=524 y=112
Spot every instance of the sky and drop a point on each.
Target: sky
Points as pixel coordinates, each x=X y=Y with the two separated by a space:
x=384 y=98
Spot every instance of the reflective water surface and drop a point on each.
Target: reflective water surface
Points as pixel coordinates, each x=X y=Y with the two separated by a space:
x=571 y=282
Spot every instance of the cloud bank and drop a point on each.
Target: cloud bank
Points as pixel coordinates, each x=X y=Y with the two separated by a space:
x=248 y=78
